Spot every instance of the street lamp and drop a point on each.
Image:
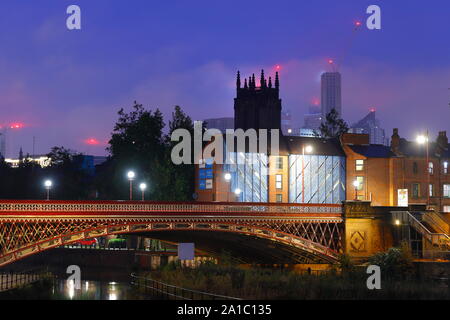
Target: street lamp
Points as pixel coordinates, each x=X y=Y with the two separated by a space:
x=356 y=185
x=131 y=176
x=423 y=139
x=227 y=177
x=143 y=186
x=237 y=192
x=307 y=149
x=48 y=185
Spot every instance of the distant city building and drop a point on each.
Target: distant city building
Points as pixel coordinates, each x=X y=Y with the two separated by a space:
x=2 y=143
x=307 y=132
x=331 y=93
x=370 y=125
x=43 y=161
x=85 y=162
x=99 y=160
x=313 y=119
x=220 y=123
x=286 y=122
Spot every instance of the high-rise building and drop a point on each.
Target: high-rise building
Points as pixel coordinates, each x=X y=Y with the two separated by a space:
x=331 y=93
x=221 y=124
x=370 y=125
x=257 y=107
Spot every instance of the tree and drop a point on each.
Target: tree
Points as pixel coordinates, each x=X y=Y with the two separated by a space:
x=333 y=127
x=138 y=143
x=183 y=175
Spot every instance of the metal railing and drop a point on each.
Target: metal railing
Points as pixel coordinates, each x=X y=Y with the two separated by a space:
x=13 y=280
x=437 y=222
x=123 y=207
x=434 y=238
x=167 y=291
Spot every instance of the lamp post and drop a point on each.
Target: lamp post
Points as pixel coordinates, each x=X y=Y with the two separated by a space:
x=131 y=176
x=143 y=186
x=48 y=186
x=423 y=139
x=307 y=149
x=356 y=185
x=227 y=177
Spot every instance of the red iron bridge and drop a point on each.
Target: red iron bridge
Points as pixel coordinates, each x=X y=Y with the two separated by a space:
x=252 y=232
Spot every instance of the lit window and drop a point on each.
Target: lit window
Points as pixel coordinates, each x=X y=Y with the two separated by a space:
x=445 y=167
x=359 y=165
x=360 y=183
x=279 y=181
x=415 y=190
x=430 y=167
x=447 y=190
x=279 y=198
x=431 y=190
x=447 y=209
x=279 y=163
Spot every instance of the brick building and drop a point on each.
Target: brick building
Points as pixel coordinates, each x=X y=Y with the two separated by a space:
x=385 y=172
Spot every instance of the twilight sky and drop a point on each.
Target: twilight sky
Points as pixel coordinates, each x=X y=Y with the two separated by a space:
x=67 y=86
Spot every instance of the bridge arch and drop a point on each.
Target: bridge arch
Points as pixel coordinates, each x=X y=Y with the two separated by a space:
x=313 y=234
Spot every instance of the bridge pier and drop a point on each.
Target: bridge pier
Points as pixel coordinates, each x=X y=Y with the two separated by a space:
x=367 y=230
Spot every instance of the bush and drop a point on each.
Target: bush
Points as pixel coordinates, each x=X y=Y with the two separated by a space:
x=395 y=263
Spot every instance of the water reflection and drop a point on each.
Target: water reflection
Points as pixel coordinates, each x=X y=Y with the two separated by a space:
x=93 y=290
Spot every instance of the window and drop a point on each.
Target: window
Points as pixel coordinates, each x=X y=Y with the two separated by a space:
x=415 y=190
x=359 y=165
x=446 y=190
x=279 y=181
x=279 y=163
x=445 y=167
x=430 y=167
x=415 y=168
x=360 y=183
x=431 y=190
x=447 y=209
x=279 y=198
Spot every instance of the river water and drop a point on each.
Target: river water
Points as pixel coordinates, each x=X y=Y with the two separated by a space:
x=94 y=290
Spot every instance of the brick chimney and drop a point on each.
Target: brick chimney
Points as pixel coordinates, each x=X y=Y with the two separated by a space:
x=442 y=142
x=395 y=141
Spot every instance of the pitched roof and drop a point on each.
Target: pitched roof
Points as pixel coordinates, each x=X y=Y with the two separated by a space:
x=373 y=150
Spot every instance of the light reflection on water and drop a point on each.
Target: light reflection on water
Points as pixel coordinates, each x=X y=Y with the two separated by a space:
x=93 y=290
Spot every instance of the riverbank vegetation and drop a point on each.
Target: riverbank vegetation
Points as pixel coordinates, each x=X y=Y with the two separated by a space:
x=345 y=281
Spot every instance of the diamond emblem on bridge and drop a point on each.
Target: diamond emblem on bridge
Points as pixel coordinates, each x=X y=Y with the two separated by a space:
x=358 y=241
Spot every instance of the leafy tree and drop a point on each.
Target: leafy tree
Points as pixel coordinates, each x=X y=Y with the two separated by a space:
x=182 y=175
x=138 y=143
x=333 y=127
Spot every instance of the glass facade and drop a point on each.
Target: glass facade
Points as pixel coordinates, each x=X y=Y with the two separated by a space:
x=249 y=173
x=324 y=178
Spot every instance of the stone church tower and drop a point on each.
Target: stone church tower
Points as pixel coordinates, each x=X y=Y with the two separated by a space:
x=257 y=107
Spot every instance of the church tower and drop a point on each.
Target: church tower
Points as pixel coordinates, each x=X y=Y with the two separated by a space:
x=257 y=107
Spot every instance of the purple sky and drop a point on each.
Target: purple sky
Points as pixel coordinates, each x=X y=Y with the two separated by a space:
x=66 y=86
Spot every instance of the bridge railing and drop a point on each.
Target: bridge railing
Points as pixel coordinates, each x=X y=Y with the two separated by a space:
x=12 y=280
x=167 y=291
x=63 y=207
